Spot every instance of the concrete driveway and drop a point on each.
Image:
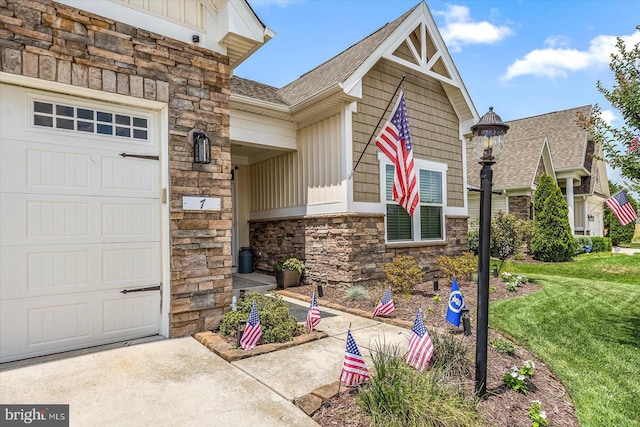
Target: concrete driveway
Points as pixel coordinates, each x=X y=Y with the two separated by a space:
x=175 y=382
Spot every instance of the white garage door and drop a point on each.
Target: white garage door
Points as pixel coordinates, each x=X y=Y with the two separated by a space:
x=79 y=223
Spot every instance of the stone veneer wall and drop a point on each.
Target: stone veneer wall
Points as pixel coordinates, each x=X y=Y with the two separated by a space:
x=520 y=207
x=49 y=41
x=346 y=249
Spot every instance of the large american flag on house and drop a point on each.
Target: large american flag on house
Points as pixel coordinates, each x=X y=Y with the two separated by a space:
x=622 y=207
x=394 y=141
x=253 y=331
x=354 y=370
x=420 y=345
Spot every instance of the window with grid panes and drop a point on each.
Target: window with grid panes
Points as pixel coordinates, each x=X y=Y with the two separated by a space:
x=428 y=220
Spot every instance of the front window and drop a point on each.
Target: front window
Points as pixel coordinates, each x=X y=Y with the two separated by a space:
x=427 y=223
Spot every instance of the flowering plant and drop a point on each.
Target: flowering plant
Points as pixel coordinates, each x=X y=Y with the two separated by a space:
x=515 y=380
x=537 y=415
x=527 y=368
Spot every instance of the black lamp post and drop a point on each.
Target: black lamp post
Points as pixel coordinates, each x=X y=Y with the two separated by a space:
x=488 y=144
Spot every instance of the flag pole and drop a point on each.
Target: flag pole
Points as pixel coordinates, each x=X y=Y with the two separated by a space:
x=376 y=128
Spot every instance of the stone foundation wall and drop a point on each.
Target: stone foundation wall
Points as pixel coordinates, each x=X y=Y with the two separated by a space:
x=347 y=249
x=49 y=41
x=520 y=207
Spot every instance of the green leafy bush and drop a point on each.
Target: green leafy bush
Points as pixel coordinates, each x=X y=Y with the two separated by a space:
x=450 y=356
x=502 y=346
x=601 y=244
x=580 y=244
x=357 y=293
x=507 y=236
x=619 y=234
x=277 y=324
x=461 y=267
x=403 y=273
x=552 y=239
x=474 y=237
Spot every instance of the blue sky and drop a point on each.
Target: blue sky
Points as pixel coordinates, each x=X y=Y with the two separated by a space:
x=524 y=57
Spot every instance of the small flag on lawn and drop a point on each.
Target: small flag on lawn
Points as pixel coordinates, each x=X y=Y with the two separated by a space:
x=253 y=331
x=313 y=316
x=622 y=208
x=456 y=304
x=420 y=345
x=385 y=306
x=354 y=370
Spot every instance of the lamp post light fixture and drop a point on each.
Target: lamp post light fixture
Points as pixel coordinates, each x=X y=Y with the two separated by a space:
x=435 y=282
x=488 y=144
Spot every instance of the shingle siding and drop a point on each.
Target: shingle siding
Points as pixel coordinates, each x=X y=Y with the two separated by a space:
x=433 y=124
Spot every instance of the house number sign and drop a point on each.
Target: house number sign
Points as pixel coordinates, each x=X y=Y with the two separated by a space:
x=194 y=203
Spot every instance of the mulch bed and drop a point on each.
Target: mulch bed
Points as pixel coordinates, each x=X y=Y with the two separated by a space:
x=503 y=407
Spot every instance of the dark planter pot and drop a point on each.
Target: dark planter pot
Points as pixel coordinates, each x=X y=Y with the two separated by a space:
x=287 y=278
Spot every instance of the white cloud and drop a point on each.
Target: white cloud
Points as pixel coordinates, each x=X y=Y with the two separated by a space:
x=608 y=116
x=558 y=59
x=460 y=29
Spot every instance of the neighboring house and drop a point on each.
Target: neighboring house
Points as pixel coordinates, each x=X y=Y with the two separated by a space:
x=550 y=144
x=81 y=83
x=99 y=103
x=293 y=150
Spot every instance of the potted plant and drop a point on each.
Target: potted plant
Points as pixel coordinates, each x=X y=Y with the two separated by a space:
x=288 y=272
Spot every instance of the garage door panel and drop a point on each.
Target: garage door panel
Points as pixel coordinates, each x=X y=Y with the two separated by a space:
x=29 y=271
x=79 y=222
x=43 y=325
x=43 y=219
x=50 y=169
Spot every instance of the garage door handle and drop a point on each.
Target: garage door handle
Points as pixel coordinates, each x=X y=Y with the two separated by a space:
x=149 y=288
x=140 y=156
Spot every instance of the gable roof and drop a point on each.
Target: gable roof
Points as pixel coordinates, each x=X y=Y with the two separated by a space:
x=339 y=68
x=524 y=146
x=337 y=80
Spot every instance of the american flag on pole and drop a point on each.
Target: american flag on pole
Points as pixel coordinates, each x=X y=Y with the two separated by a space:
x=313 y=316
x=253 y=330
x=385 y=306
x=354 y=370
x=394 y=141
x=622 y=207
x=420 y=345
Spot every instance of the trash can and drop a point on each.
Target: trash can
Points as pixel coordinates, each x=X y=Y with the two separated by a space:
x=245 y=261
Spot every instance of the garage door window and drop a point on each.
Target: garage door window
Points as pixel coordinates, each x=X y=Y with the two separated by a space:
x=59 y=116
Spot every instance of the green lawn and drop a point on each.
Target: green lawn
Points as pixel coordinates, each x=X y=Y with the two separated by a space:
x=585 y=325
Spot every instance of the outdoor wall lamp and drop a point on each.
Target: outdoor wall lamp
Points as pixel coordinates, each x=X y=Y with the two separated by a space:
x=488 y=145
x=201 y=148
x=590 y=218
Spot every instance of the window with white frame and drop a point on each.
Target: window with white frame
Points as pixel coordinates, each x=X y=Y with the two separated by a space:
x=427 y=223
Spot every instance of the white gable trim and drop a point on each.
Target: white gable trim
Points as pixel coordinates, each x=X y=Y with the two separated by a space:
x=421 y=16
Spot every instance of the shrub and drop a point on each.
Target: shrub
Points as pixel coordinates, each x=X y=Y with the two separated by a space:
x=399 y=395
x=581 y=244
x=601 y=244
x=357 y=293
x=502 y=346
x=552 y=240
x=277 y=324
x=507 y=236
x=461 y=267
x=403 y=273
x=474 y=237
x=450 y=356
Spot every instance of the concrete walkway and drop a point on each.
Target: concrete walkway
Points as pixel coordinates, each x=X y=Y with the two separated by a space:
x=179 y=382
